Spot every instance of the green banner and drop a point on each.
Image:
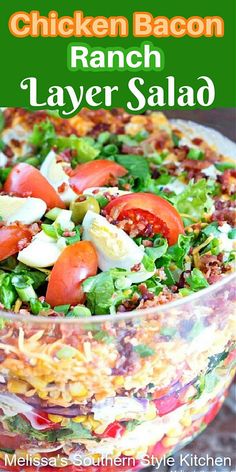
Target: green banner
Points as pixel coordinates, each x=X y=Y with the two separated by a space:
x=139 y=55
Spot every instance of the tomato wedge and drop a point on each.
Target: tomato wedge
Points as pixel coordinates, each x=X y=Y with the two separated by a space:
x=95 y=174
x=13 y=238
x=76 y=263
x=146 y=213
x=26 y=180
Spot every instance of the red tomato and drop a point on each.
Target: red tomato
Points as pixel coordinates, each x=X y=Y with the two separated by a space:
x=95 y=174
x=12 y=442
x=13 y=238
x=25 y=180
x=113 y=430
x=77 y=262
x=209 y=417
x=154 y=213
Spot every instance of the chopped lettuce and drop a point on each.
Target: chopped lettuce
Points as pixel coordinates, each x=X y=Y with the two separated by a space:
x=42 y=133
x=100 y=291
x=84 y=148
x=136 y=165
x=180 y=250
x=196 y=280
x=8 y=293
x=194 y=201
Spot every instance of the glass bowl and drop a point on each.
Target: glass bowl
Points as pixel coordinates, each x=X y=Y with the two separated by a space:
x=114 y=391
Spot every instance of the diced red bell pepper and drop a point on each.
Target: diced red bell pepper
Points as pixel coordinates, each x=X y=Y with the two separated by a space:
x=167 y=404
x=113 y=430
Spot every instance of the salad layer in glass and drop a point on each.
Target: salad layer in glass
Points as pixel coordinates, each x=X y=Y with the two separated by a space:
x=128 y=217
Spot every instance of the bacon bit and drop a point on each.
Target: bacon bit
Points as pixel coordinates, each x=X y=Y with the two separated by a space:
x=136 y=150
x=22 y=244
x=225 y=210
x=62 y=187
x=68 y=234
x=8 y=151
x=197 y=141
x=147 y=243
x=16 y=143
x=146 y=295
x=136 y=267
x=228 y=181
x=213 y=267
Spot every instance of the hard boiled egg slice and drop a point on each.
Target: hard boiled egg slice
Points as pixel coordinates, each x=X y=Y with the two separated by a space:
x=43 y=251
x=54 y=172
x=99 y=191
x=26 y=210
x=114 y=247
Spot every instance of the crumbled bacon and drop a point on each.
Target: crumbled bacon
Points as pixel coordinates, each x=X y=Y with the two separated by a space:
x=213 y=267
x=225 y=210
x=62 y=187
x=136 y=150
x=228 y=181
x=197 y=141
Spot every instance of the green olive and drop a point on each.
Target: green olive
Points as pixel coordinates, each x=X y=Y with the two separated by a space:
x=80 y=207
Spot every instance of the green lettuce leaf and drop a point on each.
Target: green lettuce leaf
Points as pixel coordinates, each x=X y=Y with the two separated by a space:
x=194 y=201
x=196 y=280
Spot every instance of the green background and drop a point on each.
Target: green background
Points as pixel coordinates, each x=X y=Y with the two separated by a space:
x=186 y=58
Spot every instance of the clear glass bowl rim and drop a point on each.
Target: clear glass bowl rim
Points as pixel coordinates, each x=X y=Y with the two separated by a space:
x=134 y=314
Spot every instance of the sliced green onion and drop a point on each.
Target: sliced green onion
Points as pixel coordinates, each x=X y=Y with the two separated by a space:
x=232 y=234
x=104 y=137
x=110 y=149
x=23 y=286
x=103 y=201
x=195 y=154
x=50 y=230
x=62 y=309
x=53 y=214
x=225 y=165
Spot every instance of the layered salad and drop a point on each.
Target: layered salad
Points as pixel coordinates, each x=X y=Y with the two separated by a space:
x=109 y=226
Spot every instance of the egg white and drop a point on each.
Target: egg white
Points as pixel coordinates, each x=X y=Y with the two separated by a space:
x=115 y=249
x=25 y=210
x=54 y=172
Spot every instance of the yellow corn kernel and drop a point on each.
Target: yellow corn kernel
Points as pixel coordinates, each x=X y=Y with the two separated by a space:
x=119 y=380
x=174 y=432
x=17 y=386
x=186 y=421
x=168 y=442
x=129 y=452
x=79 y=419
x=94 y=423
x=96 y=457
x=55 y=418
x=151 y=413
x=42 y=395
x=78 y=390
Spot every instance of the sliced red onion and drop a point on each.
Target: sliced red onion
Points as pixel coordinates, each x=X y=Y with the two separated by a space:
x=13 y=405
